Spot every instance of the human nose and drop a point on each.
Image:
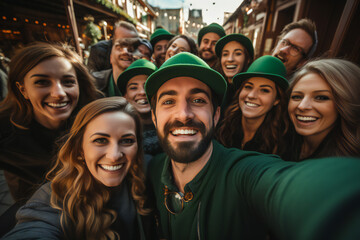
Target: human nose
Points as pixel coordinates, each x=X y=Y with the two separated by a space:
x=114 y=152
x=184 y=112
x=253 y=93
x=58 y=91
x=141 y=90
x=304 y=104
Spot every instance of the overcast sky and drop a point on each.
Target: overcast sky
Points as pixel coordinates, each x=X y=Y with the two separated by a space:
x=211 y=12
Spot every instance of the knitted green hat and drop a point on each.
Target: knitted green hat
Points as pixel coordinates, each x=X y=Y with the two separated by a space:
x=246 y=42
x=160 y=34
x=139 y=67
x=213 y=27
x=268 y=67
x=186 y=65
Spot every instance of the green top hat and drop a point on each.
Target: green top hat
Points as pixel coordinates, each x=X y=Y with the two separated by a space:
x=213 y=27
x=234 y=37
x=186 y=65
x=160 y=34
x=267 y=67
x=139 y=67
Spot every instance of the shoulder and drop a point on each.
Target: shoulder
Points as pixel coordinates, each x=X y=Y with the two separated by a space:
x=37 y=219
x=101 y=78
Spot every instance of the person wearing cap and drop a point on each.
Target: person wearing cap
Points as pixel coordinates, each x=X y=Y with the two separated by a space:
x=131 y=85
x=236 y=53
x=159 y=41
x=296 y=44
x=207 y=38
x=258 y=110
x=202 y=190
x=144 y=50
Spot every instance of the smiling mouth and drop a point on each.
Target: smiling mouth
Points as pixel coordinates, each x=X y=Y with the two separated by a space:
x=281 y=58
x=57 y=105
x=230 y=67
x=142 y=101
x=251 y=104
x=184 y=132
x=111 y=167
x=306 y=118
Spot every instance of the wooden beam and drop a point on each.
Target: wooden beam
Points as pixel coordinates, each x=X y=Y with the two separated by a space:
x=69 y=9
x=342 y=28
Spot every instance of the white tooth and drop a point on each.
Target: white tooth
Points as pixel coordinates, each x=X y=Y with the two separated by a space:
x=141 y=101
x=304 y=118
x=112 y=168
x=251 y=104
x=231 y=66
x=57 y=105
x=184 y=132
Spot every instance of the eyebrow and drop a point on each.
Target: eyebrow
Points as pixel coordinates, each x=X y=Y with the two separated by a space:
x=237 y=49
x=199 y=90
x=264 y=85
x=45 y=75
x=101 y=134
x=313 y=91
x=170 y=92
x=132 y=84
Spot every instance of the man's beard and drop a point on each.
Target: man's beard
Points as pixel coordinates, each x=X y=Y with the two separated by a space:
x=213 y=57
x=186 y=152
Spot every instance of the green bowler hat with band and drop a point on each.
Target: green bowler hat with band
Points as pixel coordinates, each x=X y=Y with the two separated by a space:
x=160 y=34
x=139 y=67
x=186 y=64
x=213 y=27
x=243 y=40
x=268 y=67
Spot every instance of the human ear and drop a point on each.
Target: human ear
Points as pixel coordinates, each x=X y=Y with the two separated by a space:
x=153 y=117
x=216 y=116
x=22 y=90
x=276 y=102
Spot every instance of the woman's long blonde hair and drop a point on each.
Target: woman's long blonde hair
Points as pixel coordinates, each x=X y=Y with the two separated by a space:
x=76 y=193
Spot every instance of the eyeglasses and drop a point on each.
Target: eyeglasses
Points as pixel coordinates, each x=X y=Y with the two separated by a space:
x=174 y=201
x=294 y=50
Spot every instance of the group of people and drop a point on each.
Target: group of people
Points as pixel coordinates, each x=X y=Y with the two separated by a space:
x=164 y=139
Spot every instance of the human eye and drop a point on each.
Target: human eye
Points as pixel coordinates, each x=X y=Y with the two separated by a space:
x=42 y=82
x=322 y=97
x=265 y=90
x=69 y=82
x=168 y=102
x=224 y=54
x=238 y=53
x=295 y=97
x=128 y=141
x=247 y=86
x=199 y=100
x=100 y=141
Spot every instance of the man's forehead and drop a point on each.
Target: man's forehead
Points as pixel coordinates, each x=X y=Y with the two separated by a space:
x=299 y=37
x=179 y=84
x=121 y=32
x=161 y=42
x=211 y=36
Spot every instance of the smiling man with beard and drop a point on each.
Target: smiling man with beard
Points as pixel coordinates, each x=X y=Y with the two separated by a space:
x=297 y=43
x=207 y=38
x=202 y=190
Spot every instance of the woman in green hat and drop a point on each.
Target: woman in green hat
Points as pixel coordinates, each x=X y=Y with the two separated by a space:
x=256 y=118
x=324 y=109
x=235 y=53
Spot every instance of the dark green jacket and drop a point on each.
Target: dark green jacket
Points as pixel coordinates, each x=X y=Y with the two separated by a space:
x=246 y=195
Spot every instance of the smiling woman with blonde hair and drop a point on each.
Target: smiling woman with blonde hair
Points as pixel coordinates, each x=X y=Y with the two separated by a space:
x=324 y=108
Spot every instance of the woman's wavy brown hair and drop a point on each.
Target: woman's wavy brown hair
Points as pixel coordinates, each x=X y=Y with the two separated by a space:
x=272 y=130
x=343 y=78
x=19 y=108
x=76 y=193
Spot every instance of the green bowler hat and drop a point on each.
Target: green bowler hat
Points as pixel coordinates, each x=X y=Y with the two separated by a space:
x=186 y=64
x=213 y=27
x=139 y=67
x=268 y=67
x=160 y=34
x=243 y=40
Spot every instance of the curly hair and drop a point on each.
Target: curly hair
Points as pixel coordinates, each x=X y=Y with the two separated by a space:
x=343 y=78
x=80 y=197
x=20 y=109
x=271 y=130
